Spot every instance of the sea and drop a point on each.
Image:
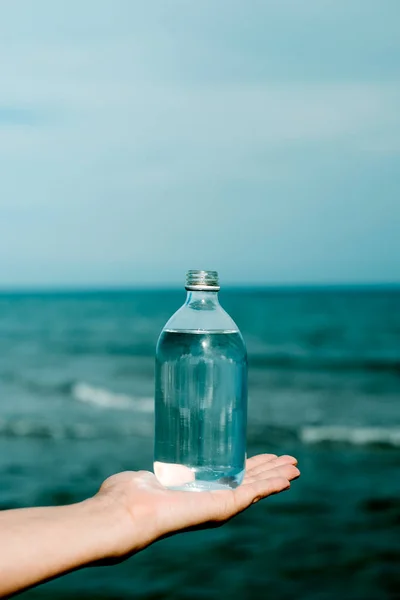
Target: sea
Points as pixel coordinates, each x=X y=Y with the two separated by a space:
x=76 y=405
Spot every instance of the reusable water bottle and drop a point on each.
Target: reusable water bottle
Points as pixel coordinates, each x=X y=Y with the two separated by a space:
x=201 y=393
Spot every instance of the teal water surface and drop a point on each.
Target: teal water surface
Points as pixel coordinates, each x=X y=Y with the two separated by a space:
x=200 y=409
x=77 y=404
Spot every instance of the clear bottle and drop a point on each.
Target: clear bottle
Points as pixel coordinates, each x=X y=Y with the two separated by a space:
x=201 y=393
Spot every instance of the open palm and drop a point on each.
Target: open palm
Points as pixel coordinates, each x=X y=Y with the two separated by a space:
x=153 y=511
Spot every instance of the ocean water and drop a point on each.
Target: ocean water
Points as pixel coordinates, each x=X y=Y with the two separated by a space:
x=76 y=405
x=200 y=409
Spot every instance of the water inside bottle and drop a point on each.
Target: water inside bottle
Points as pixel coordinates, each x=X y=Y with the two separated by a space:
x=201 y=409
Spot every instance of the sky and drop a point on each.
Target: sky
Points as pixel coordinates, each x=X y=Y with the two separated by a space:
x=141 y=139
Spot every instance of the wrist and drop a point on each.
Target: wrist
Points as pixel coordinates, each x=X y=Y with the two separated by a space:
x=108 y=522
x=128 y=514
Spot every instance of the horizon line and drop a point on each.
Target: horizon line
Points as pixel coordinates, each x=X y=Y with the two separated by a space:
x=106 y=288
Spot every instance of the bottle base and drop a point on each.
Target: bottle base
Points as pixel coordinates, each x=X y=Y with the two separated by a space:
x=197 y=479
x=203 y=486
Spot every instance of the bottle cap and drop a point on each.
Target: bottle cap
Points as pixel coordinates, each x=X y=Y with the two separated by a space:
x=202 y=280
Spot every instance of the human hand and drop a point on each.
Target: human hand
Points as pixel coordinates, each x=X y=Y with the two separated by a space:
x=144 y=511
x=130 y=511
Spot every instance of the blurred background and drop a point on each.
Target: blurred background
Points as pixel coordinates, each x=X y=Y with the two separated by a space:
x=261 y=139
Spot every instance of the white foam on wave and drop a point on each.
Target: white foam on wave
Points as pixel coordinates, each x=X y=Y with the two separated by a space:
x=26 y=428
x=104 y=398
x=357 y=436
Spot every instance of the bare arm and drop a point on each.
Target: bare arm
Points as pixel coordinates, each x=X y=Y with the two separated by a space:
x=40 y=543
x=130 y=511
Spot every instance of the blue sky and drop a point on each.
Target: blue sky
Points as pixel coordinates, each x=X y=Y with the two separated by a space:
x=140 y=139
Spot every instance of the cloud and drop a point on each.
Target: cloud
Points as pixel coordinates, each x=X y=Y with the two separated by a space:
x=162 y=128
x=13 y=115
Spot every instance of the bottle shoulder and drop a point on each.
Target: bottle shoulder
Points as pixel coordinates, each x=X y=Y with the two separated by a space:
x=192 y=318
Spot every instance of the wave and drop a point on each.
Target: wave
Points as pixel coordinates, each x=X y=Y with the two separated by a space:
x=35 y=429
x=103 y=398
x=25 y=428
x=294 y=361
x=131 y=349
x=84 y=392
x=385 y=437
x=355 y=436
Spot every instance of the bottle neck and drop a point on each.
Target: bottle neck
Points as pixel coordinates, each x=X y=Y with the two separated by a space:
x=202 y=299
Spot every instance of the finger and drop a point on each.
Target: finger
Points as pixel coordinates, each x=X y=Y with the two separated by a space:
x=287 y=471
x=254 y=461
x=271 y=464
x=245 y=495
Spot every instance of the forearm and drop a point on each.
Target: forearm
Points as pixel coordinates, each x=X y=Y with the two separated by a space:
x=130 y=511
x=37 y=544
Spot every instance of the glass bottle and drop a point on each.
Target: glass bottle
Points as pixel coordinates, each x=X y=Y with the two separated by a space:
x=201 y=393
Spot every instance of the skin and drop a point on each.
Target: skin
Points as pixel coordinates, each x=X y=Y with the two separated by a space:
x=130 y=511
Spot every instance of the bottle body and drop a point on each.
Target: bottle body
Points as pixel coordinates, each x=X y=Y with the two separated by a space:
x=201 y=398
